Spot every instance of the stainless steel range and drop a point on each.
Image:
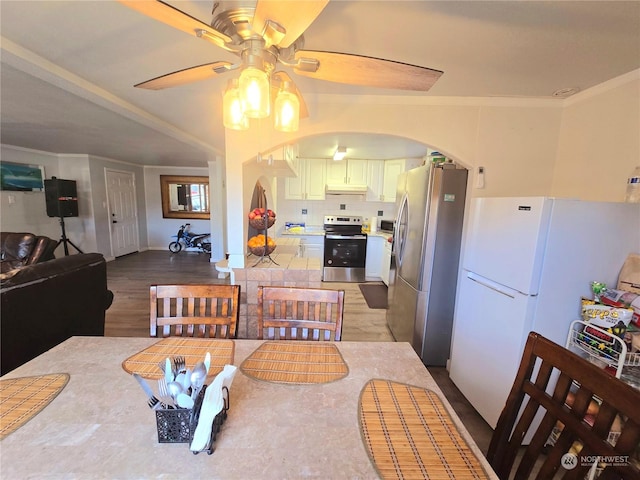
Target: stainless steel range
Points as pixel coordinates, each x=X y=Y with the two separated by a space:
x=345 y=249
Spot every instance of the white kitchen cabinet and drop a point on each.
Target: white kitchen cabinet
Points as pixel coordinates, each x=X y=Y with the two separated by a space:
x=375 y=180
x=392 y=168
x=310 y=182
x=312 y=246
x=347 y=172
x=375 y=251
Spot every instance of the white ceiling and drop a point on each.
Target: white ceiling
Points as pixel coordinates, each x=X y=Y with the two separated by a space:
x=68 y=67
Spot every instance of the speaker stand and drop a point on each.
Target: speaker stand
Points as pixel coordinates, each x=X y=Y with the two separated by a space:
x=64 y=240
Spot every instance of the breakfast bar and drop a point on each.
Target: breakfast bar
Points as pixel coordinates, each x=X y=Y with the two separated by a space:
x=99 y=425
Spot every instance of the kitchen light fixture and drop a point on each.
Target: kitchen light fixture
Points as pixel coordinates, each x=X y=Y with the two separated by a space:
x=287 y=109
x=250 y=95
x=232 y=112
x=340 y=153
x=254 y=92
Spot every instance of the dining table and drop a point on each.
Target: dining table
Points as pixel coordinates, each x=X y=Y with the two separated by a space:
x=337 y=425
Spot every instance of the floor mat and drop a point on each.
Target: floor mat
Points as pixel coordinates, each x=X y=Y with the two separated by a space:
x=375 y=294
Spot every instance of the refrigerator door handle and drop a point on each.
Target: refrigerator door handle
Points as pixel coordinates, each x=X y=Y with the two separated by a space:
x=400 y=232
x=485 y=282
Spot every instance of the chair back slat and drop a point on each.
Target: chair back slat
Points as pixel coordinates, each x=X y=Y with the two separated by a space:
x=194 y=310
x=587 y=412
x=293 y=313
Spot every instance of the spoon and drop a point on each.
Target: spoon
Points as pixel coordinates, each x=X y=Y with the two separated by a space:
x=184 y=401
x=198 y=377
x=175 y=389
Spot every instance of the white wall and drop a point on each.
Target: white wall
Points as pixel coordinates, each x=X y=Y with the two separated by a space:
x=599 y=141
x=27 y=211
x=90 y=230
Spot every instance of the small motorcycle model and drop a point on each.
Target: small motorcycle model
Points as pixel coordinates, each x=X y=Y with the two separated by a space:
x=186 y=239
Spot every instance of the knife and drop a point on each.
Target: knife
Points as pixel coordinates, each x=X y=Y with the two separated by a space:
x=147 y=389
x=207 y=361
x=168 y=371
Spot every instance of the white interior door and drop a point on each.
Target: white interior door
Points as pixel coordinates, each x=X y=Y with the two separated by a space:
x=123 y=212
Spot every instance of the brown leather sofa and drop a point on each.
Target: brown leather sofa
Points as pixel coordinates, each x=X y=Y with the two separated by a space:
x=43 y=304
x=21 y=249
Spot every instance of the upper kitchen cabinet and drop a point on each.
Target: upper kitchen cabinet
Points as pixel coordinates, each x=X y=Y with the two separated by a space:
x=383 y=178
x=392 y=168
x=310 y=182
x=347 y=172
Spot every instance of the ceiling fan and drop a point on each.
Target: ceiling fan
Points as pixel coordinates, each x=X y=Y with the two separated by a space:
x=264 y=33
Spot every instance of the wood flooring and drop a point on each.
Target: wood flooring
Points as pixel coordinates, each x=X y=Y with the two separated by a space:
x=130 y=277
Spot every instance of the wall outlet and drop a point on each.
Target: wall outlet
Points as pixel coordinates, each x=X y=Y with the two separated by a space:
x=380 y=213
x=343 y=206
x=304 y=211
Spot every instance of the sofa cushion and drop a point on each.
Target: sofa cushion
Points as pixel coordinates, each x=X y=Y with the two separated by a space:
x=16 y=249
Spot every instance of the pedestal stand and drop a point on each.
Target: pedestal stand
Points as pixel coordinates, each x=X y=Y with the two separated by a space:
x=64 y=240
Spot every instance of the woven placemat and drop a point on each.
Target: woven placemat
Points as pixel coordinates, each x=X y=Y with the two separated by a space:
x=23 y=398
x=145 y=363
x=295 y=362
x=408 y=433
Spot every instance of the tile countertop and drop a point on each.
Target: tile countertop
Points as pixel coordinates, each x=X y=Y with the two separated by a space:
x=100 y=423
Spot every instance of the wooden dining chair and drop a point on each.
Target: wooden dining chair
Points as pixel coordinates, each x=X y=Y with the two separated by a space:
x=293 y=313
x=580 y=403
x=194 y=310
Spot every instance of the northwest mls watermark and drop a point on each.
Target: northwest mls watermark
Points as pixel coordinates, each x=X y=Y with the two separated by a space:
x=570 y=460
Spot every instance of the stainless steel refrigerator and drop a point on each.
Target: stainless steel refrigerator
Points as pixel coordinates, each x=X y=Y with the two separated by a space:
x=425 y=255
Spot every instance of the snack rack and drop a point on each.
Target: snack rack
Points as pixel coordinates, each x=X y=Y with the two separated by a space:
x=601 y=347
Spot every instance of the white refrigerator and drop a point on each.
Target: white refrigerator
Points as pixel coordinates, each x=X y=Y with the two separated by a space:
x=526 y=262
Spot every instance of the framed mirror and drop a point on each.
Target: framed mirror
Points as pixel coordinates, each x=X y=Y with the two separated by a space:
x=184 y=196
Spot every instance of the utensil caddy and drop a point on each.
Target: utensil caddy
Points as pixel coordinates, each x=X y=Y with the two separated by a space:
x=177 y=425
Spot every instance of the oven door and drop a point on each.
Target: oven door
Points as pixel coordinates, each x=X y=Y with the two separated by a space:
x=345 y=250
x=344 y=257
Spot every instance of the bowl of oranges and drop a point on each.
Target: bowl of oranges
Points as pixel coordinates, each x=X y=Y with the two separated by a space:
x=260 y=245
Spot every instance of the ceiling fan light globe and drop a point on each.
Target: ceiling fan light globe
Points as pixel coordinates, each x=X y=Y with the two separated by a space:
x=254 y=92
x=287 y=112
x=232 y=113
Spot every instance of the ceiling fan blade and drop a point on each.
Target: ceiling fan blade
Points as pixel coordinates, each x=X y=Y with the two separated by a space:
x=277 y=79
x=294 y=16
x=175 y=18
x=367 y=71
x=188 y=75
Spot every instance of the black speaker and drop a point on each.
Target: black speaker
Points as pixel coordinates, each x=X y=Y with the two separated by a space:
x=61 y=197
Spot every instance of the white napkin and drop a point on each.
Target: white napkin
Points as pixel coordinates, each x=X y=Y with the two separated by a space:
x=212 y=404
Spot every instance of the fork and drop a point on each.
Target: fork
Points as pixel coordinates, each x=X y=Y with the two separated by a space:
x=163 y=391
x=180 y=364
x=154 y=403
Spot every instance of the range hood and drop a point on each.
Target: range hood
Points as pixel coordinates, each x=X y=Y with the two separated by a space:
x=343 y=189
